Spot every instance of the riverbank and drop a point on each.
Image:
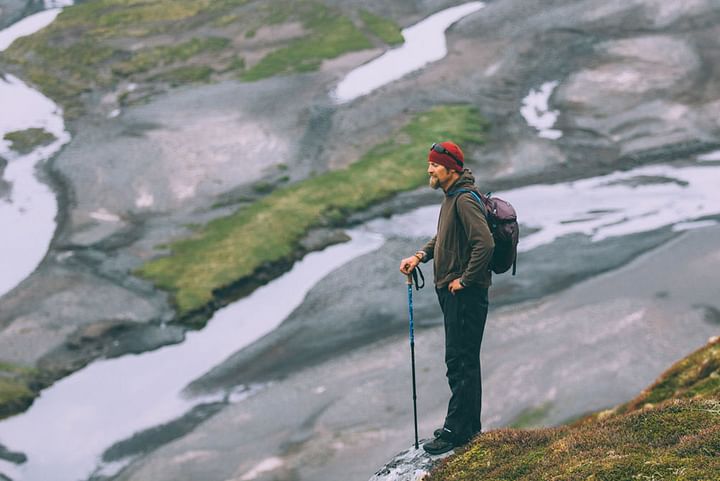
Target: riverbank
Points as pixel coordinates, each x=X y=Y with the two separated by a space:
x=608 y=338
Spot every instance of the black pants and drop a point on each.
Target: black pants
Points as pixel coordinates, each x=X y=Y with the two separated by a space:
x=465 y=314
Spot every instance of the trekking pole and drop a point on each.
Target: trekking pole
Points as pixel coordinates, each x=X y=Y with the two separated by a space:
x=410 y=279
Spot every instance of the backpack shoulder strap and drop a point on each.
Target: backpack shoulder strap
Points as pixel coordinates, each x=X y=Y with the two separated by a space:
x=474 y=194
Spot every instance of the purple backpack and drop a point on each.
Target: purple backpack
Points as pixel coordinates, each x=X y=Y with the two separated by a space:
x=502 y=220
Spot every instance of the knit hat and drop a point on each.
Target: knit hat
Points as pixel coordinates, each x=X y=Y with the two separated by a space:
x=447 y=154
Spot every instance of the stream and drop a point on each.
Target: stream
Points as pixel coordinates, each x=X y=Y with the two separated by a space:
x=31 y=206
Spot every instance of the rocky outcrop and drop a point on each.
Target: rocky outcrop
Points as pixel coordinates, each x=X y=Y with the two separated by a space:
x=13 y=10
x=4 y=186
x=410 y=465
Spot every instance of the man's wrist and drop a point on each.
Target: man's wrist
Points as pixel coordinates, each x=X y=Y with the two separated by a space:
x=462 y=283
x=420 y=255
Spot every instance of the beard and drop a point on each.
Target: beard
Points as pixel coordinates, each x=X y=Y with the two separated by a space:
x=434 y=182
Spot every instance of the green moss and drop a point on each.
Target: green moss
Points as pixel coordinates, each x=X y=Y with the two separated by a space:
x=677 y=441
x=170 y=54
x=232 y=248
x=15 y=391
x=24 y=141
x=674 y=437
x=383 y=28
x=332 y=35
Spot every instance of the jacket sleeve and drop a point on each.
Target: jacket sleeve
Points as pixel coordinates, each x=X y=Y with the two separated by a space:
x=480 y=240
x=429 y=249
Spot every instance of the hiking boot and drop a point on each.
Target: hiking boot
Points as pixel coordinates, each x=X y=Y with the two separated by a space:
x=438 y=432
x=444 y=441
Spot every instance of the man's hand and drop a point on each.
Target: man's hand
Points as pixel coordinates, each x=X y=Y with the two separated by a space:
x=455 y=286
x=408 y=264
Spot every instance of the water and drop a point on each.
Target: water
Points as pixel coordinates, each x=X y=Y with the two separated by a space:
x=424 y=43
x=618 y=204
x=31 y=207
x=69 y=426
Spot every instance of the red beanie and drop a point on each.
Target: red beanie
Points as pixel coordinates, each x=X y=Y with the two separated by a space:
x=446 y=158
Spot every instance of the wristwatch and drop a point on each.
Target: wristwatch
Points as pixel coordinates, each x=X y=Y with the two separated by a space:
x=420 y=255
x=462 y=283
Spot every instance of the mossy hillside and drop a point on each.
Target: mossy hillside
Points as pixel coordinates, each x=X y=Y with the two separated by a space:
x=675 y=438
x=24 y=141
x=234 y=247
x=97 y=46
x=679 y=440
x=15 y=391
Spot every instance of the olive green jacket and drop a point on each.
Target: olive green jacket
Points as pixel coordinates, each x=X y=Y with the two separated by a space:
x=463 y=245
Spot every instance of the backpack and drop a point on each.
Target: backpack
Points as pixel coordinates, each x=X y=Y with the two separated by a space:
x=502 y=220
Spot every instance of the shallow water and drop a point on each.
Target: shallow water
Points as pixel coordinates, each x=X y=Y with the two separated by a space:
x=31 y=206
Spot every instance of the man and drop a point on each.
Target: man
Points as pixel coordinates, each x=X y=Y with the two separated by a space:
x=461 y=250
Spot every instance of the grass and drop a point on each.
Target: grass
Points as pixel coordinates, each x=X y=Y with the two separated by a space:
x=234 y=247
x=95 y=46
x=331 y=35
x=15 y=393
x=150 y=58
x=25 y=141
x=671 y=431
x=383 y=28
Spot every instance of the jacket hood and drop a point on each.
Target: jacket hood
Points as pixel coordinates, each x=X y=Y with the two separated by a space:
x=466 y=181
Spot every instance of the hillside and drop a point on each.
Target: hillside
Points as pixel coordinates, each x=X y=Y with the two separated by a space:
x=670 y=431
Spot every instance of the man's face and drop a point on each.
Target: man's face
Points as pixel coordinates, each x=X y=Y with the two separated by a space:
x=439 y=175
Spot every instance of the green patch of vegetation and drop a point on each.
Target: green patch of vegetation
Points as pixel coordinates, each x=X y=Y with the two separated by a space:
x=676 y=440
x=670 y=432
x=531 y=417
x=332 y=35
x=147 y=59
x=24 y=141
x=234 y=247
x=15 y=393
x=383 y=28
x=238 y=63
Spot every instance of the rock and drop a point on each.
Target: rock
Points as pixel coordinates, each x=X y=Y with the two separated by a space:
x=318 y=239
x=410 y=465
x=13 y=457
x=4 y=186
x=13 y=10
